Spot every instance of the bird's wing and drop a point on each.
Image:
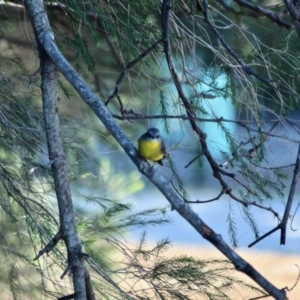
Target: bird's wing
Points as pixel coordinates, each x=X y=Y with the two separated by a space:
x=163 y=147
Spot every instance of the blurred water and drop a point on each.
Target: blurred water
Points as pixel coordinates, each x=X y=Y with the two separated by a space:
x=215 y=214
x=280 y=150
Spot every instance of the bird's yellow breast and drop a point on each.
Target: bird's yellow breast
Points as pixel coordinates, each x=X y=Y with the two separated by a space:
x=151 y=150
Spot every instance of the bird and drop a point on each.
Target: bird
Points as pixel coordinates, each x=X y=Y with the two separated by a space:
x=151 y=146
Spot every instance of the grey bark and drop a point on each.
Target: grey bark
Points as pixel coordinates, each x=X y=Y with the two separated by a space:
x=67 y=229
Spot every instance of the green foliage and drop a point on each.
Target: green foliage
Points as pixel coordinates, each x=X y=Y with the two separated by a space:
x=178 y=183
x=113 y=220
x=119 y=219
x=249 y=218
x=165 y=110
x=182 y=277
x=29 y=218
x=232 y=227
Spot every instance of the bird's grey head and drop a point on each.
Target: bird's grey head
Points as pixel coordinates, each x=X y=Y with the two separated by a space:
x=153 y=133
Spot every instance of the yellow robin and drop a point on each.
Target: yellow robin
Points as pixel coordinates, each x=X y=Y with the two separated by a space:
x=151 y=146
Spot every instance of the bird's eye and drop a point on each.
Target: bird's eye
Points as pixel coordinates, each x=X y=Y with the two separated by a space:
x=157 y=136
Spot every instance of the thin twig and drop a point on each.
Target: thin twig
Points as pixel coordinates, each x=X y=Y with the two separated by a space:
x=293 y=8
x=71 y=296
x=66 y=271
x=121 y=104
x=19 y=192
x=98 y=269
x=193 y=160
x=260 y=297
x=265 y=12
x=253 y=203
x=238 y=59
x=192 y=116
x=128 y=67
x=50 y=245
x=290 y=289
x=264 y=236
x=290 y=199
x=283 y=224
x=273 y=168
x=245 y=187
x=243 y=123
x=32 y=77
x=251 y=140
x=293 y=217
x=188 y=107
x=229 y=8
x=207 y=201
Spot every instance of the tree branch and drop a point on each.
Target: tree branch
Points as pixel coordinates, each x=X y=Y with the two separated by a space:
x=201 y=227
x=283 y=224
x=294 y=10
x=99 y=270
x=45 y=38
x=288 y=207
x=265 y=12
x=50 y=245
x=18 y=191
x=246 y=68
x=244 y=123
x=68 y=230
x=128 y=67
x=207 y=201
